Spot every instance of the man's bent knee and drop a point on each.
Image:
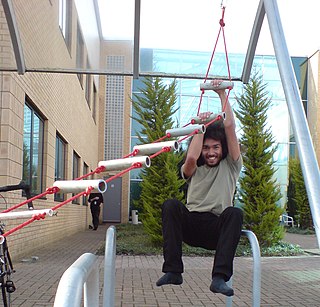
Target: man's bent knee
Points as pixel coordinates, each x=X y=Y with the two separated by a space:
x=171 y=205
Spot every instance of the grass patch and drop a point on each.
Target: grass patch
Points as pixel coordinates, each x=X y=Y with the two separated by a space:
x=132 y=240
x=300 y=231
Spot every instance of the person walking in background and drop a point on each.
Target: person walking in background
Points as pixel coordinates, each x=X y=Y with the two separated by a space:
x=95 y=200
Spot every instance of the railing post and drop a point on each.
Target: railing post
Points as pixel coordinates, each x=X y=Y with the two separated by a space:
x=81 y=276
x=256 y=286
x=91 y=288
x=109 y=268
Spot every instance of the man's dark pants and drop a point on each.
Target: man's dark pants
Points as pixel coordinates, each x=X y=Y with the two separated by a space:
x=95 y=212
x=201 y=229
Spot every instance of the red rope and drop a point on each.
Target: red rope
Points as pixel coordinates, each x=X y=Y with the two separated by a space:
x=98 y=170
x=135 y=165
x=164 y=149
x=43 y=215
x=55 y=189
x=34 y=218
x=85 y=193
x=161 y=139
x=130 y=154
x=48 y=191
x=222 y=24
x=187 y=136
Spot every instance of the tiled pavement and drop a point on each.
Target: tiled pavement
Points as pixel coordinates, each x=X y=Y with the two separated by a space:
x=288 y=281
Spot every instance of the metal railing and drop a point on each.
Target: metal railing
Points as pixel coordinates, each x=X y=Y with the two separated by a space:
x=81 y=279
x=109 y=268
x=256 y=284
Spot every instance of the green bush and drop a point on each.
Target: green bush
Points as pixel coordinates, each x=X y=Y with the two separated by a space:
x=299 y=196
x=259 y=191
x=133 y=240
x=154 y=109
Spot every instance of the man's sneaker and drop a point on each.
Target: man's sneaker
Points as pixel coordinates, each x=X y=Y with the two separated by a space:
x=170 y=279
x=218 y=285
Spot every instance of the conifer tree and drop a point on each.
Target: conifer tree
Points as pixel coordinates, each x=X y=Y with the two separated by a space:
x=155 y=108
x=291 y=206
x=300 y=196
x=259 y=191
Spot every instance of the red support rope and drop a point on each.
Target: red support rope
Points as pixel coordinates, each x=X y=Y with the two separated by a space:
x=164 y=149
x=84 y=193
x=34 y=218
x=48 y=191
x=160 y=139
x=187 y=136
x=222 y=24
x=135 y=165
x=130 y=154
x=96 y=171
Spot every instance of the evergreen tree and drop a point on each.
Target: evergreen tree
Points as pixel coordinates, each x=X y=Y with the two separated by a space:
x=291 y=204
x=300 y=196
x=155 y=109
x=259 y=191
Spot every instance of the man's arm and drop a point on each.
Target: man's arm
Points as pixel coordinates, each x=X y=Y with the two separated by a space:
x=193 y=154
x=194 y=150
x=229 y=127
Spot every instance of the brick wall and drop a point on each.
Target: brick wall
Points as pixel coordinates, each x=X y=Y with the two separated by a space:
x=60 y=100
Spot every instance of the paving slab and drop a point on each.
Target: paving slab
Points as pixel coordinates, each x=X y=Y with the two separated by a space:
x=286 y=281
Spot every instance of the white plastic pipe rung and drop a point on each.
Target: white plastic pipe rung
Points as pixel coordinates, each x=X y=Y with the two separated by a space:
x=222 y=86
x=201 y=129
x=24 y=214
x=76 y=186
x=197 y=120
x=148 y=149
x=223 y=4
x=121 y=164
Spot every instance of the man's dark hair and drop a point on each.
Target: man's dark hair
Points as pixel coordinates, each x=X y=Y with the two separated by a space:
x=216 y=132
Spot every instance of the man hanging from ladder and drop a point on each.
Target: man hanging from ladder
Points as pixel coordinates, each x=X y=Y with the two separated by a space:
x=209 y=220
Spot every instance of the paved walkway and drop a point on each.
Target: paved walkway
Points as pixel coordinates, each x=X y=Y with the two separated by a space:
x=287 y=281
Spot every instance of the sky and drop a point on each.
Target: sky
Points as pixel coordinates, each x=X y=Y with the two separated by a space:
x=194 y=24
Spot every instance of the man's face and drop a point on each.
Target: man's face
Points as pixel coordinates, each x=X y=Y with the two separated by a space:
x=211 y=152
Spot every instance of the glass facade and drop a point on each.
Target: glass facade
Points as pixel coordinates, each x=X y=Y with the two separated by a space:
x=59 y=173
x=188 y=92
x=33 y=149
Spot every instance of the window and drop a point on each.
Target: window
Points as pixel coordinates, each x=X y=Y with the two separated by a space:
x=114 y=111
x=88 y=89
x=33 y=149
x=65 y=20
x=80 y=53
x=59 y=173
x=75 y=171
x=94 y=103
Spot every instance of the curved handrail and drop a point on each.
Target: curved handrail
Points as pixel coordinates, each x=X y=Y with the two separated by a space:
x=256 y=285
x=109 y=268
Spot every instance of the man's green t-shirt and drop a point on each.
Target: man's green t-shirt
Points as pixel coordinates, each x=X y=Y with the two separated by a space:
x=211 y=189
